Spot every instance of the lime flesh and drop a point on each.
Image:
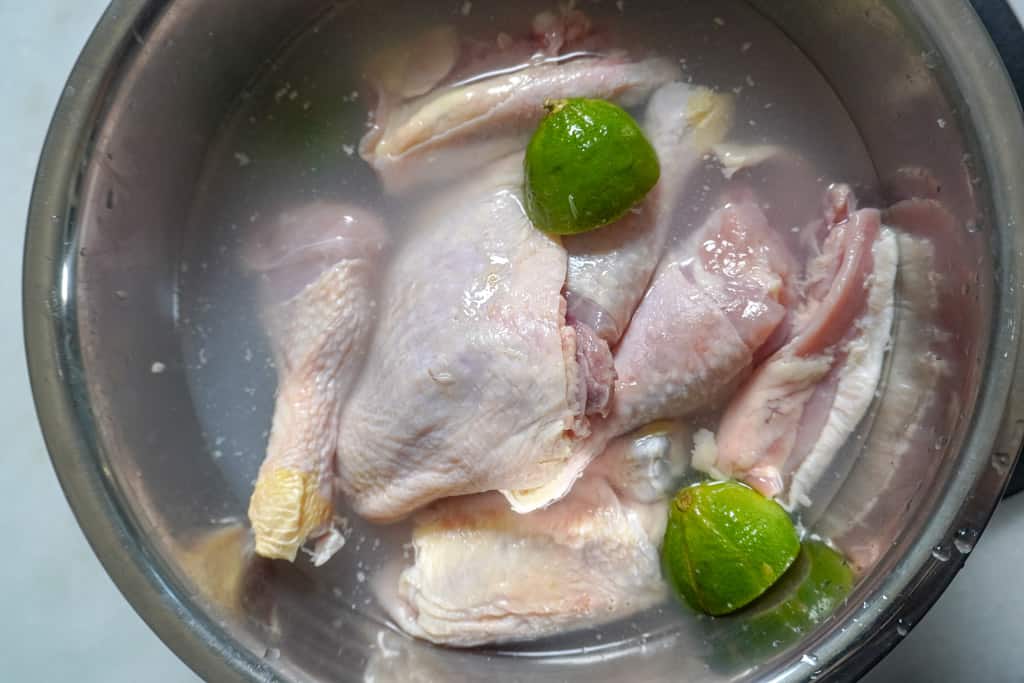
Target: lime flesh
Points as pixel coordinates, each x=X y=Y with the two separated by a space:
x=725 y=545
x=587 y=164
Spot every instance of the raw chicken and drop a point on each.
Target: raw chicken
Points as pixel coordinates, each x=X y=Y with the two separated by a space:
x=316 y=266
x=868 y=511
x=484 y=574
x=784 y=427
x=708 y=312
x=710 y=309
x=428 y=130
x=466 y=387
x=478 y=381
x=609 y=269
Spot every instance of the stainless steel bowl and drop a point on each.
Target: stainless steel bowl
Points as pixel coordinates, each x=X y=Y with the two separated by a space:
x=116 y=179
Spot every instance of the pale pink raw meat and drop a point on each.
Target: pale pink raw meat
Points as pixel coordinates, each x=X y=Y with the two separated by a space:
x=316 y=265
x=483 y=574
x=466 y=387
x=706 y=315
x=902 y=452
x=452 y=132
x=609 y=269
x=781 y=430
x=698 y=329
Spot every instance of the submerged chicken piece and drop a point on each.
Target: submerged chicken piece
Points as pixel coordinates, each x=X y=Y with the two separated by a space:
x=439 y=55
x=782 y=430
x=466 y=387
x=484 y=574
x=709 y=311
x=479 y=379
x=414 y=66
x=789 y=184
x=609 y=269
x=428 y=128
x=899 y=455
x=316 y=266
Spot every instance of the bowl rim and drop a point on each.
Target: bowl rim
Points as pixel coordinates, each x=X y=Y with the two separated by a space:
x=50 y=329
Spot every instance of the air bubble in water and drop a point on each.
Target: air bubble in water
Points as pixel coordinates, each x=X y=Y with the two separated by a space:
x=940 y=553
x=809 y=660
x=1001 y=462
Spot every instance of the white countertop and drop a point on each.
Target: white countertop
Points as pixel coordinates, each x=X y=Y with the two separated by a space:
x=63 y=620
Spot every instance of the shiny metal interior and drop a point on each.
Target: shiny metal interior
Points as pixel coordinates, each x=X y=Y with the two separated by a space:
x=116 y=182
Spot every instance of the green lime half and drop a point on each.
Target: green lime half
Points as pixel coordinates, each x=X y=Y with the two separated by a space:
x=587 y=164
x=726 y=544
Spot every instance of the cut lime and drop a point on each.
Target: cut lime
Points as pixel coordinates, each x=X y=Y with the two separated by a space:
x=726 y=544
x=587 y=164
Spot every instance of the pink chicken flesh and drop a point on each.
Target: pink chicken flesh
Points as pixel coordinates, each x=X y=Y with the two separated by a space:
x=786 y=423
x=316 y=267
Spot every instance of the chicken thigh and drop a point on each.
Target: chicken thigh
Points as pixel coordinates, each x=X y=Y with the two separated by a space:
x=467 y=385
x=713 y=304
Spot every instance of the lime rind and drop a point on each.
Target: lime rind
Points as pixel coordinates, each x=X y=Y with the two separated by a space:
x=725 y=545
x=587 y=164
